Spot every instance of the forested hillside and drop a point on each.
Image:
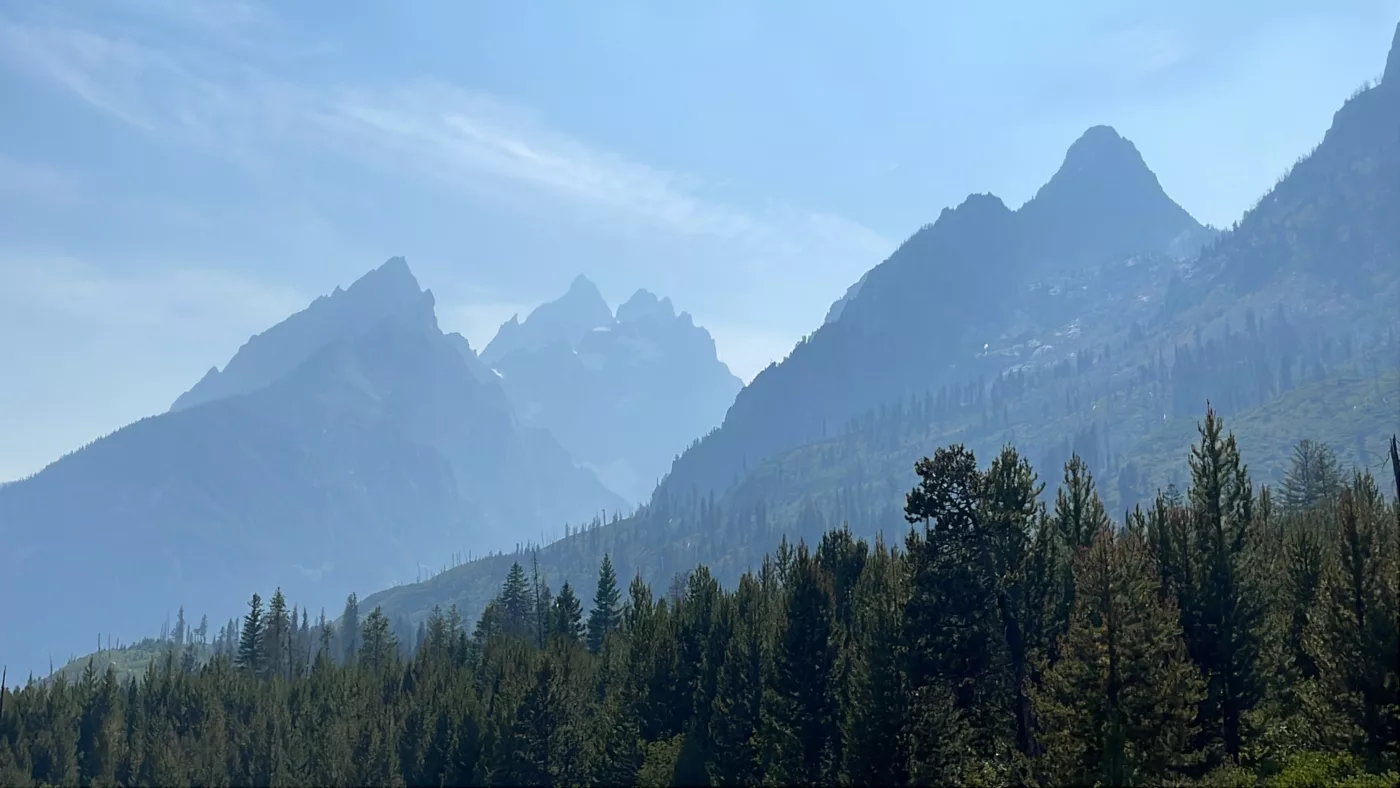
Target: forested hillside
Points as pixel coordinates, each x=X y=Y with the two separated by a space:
x=1109 y=361
x=1224 y=635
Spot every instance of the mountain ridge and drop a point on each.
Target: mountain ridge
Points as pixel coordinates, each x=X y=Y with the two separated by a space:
x=380 y=449
x=946 y=281
x=1181 y=334
x=277 y=350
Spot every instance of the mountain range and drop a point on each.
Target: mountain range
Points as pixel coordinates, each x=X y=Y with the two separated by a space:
x=336 y=450
x=624 y=393
x=1098 y=319
x=914 y=321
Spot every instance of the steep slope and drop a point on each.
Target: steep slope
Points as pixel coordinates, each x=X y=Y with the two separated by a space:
x=920 y=317
x=380 y=450
x=563 y=320
x=277 y=351
x=1331 y=223
x=1104 y=205
x=625 y=395
x=1285 y=350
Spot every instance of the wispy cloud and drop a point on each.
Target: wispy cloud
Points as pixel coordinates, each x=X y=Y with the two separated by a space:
x=435 y=129
x=225 y=89
x=426 y=128
x=455 y=134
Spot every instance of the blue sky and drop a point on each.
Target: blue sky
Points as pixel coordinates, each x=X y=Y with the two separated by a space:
x=176 y=175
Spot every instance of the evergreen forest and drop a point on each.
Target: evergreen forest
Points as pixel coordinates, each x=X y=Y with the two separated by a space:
x=1226 y=633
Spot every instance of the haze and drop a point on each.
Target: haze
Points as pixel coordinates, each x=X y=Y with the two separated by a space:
x=184 y=173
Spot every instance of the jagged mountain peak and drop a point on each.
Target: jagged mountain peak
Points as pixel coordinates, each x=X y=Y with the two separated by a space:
x=976 y=209
x=392 y=279
x=388 y=291
x=1103 y=203
x=644 y=304
x=584 y=286
x=1101 y=165
x=565 y=319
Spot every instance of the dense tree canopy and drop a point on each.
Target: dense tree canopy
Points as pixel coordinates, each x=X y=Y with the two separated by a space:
x=1211 y=638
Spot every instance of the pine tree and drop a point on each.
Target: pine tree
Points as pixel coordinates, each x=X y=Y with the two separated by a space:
x=251 y=650
x=517 y=603
x=1118 y=707
x=953 y=636
x=525 y=747
x=350 y=629
x=802 y=728
x=876 y=723
x=378 y=646
x=1356 y=644
x=1223 y=627
x=1313 y=475
x=1010 y=505
x=177 y=635
x=98 y=726
x=1079 y=516
x=567 y=615
x=538 y=598
x=604 y=616
x=277 y=639
x=618 y=748
x=735 y=711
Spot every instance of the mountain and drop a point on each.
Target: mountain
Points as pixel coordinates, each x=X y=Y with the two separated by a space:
x=624 y=394
x=321 y=468
x=564 y=320
x=917 y=320
x=1104 y=205
x=1112 y=361
x=272 y=354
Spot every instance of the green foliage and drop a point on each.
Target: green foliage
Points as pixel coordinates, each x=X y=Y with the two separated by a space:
x=566 y=618
x=604 y=616
x=1342 y=770
x=1313 y=475
x=1208 y=616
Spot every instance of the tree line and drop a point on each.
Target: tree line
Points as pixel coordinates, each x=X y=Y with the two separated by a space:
x=1223 y=635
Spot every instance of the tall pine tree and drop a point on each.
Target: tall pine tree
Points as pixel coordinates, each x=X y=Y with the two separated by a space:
x=1119 y=706
x=604 y=616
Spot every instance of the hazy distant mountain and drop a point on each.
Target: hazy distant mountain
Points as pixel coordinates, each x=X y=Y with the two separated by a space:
x=268 y=356
x=906 y=328
x=566 y=320
x=623 y=394
x=323 y=468
x=1101 y=206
